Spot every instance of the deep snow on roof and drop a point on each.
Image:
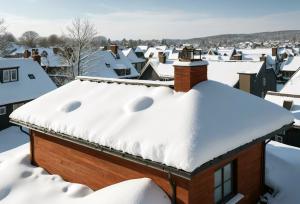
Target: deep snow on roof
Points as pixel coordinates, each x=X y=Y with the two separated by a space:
x=293 y=85
x=291 y=64
x=25 y=88
x=102 y=64
x=182 y=130
x=225 y=72
x=23 y=183
x=279 y=100
x=255 y=54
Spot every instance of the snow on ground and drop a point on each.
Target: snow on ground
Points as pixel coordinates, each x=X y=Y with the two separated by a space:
x=11 y=138
x=23 y=183
x=282 y=172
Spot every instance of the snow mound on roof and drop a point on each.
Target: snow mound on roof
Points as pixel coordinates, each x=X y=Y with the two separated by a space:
x=282 y=172
x=23 y=183
x=183 y=130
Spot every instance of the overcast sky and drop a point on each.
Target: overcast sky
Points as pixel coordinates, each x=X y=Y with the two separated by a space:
x=144 y=19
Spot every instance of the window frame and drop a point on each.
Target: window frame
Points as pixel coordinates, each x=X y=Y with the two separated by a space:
x=11 y=74
x=3 y=110
x=233 y=179
x=8 y=75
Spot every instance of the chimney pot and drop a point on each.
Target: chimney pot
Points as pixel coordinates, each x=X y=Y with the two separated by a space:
x=114 y=48
x=162 y=57
x=27 y=54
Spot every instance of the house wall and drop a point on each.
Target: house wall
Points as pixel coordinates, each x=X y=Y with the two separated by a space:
x=255 y=84
x=249 y=175
x=95 y=169
x=4 y=119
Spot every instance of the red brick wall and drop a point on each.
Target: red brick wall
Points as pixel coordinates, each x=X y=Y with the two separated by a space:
x=249 y=177
x=186 y=77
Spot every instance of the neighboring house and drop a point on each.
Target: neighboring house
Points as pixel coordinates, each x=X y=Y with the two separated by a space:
x=152 y=52
x=140 y=51
x=201 y=142
x=222 y=54
x=21 y=80
x=109 y=63
x=289 y=67
x=289 y=98
x=51 y=60
x=137 y=62
x=250 y=76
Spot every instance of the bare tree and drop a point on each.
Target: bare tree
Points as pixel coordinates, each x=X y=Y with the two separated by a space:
x=29 y=39
x=4 y=43
x=79 y=44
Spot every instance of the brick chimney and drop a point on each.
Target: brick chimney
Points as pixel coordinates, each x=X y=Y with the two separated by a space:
x=162 y=57
x=188 y=71
x=114 y=48
x=36 y=56
x=274 y=51
x=27 y=54
x=263 y=58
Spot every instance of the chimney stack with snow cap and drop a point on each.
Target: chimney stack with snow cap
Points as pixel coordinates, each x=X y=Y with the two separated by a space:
x=274 y=51
x=114 y=48
x=189 y=70
x=162 y=57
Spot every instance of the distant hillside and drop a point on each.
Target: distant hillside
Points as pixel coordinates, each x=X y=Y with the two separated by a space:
x=232 y=39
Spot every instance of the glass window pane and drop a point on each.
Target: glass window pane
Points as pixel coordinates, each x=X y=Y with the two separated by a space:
x=218 y=177
x=6 y=75
x=227 y=188
x=218 y=194
x=227 y=172
x=13 y=75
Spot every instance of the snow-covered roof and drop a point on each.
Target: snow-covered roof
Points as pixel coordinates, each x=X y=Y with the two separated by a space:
x=141 y=48
x=23 y=183
x=102 y=64
x=279 y=100
x=130 y=54
x=156 y=123
x=50 y=59
x=153 y=51
x=255 y=54
x=291 y=64
x=226 y=72
x=25 y=88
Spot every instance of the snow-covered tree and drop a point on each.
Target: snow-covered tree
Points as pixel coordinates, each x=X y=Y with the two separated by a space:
x=78 y=44
x=3 y=42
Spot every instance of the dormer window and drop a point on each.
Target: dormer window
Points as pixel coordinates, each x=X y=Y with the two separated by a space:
x=9 y=75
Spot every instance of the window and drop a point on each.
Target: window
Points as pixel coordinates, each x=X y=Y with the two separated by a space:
x=13 y=75
x=17 y=105
x=6 y=77
x=9 y=75
x=224 y=183
x=264 y=81
x=31 y=76
x=3 y=110
x=279 y=138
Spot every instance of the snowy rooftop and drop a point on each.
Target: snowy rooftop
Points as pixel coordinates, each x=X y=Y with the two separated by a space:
x=291 y=64
x=25 y=88
x=181 y=130
x=293 y=85
x=103 y=63
x=130 y=54
x=225 y=72
x=279 y=100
